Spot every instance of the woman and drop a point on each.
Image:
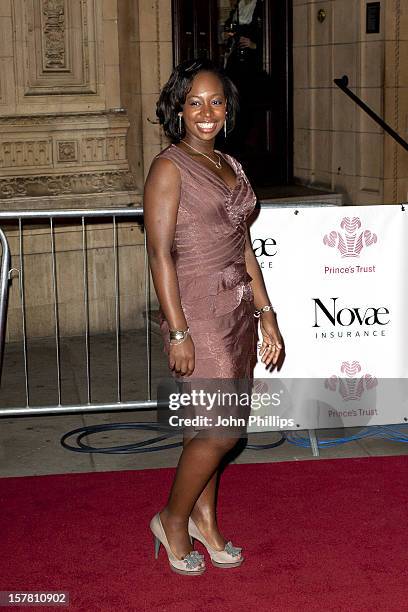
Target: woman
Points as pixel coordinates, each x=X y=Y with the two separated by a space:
x=208 y=284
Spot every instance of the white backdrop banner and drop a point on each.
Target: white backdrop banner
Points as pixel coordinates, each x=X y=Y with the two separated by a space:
x=337 y=278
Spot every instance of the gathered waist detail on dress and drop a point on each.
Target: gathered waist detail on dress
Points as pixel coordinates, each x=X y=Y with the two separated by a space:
x=205 y=297
x=214 y=283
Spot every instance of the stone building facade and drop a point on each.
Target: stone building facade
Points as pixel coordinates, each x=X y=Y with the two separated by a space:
x=79 y=80
x=336 y=144
x=78 y=85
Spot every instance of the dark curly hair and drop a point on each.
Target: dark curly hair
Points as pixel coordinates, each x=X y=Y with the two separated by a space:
x=174 y=93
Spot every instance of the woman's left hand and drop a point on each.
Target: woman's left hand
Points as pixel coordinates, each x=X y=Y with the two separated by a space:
x=272 y=343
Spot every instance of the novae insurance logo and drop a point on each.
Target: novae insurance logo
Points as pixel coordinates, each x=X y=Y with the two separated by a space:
x=335 y=319
x=351 y=241
x=265 y=249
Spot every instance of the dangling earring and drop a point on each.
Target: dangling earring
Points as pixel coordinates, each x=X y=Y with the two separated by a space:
x=180 y=127
x=225 y=126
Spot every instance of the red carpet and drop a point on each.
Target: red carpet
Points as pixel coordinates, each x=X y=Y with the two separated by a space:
x=318 y=536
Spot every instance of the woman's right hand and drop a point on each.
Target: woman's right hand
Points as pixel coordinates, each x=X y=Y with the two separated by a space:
x=182 y=357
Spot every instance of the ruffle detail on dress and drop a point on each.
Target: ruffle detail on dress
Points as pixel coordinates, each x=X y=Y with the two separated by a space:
x=212 y=284
x=212 y=306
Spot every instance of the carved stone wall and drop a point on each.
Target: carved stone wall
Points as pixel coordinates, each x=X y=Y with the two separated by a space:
x=63 y=133
x=59 y=56
x=70 y=154
x=66 y=66
x=58 y=46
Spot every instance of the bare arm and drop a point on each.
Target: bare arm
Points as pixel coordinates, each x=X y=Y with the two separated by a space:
x=269 y=326
x=161 y=202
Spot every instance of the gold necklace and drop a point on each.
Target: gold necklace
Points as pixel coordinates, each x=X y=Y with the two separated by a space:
x=217 y=164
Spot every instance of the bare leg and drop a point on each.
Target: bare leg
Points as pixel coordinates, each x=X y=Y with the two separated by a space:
x=196 y=470
x=204 y=513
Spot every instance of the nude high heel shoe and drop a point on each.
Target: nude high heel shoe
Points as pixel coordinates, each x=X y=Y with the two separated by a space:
x=191 y=564
x=229 y=557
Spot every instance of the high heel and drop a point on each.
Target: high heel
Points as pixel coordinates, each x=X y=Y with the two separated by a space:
x=191 y=564
x=220 y=558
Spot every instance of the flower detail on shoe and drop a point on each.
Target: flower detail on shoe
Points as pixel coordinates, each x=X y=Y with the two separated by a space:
x=234 y=551
x=230 y=556
x=193 y=559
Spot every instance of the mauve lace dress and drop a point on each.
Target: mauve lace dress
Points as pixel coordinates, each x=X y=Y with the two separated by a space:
x=208 y=252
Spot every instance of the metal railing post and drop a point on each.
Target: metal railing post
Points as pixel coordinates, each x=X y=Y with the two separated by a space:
x=4 y=283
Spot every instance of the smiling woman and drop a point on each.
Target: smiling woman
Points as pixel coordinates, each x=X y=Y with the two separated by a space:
x=178 y=89
x=204 y=108
x=197 y=202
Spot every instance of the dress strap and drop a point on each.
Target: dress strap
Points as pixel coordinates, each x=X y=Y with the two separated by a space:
x=173 y=154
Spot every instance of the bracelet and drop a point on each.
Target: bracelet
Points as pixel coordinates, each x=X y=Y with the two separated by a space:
x=177 y=336
x=266 y=308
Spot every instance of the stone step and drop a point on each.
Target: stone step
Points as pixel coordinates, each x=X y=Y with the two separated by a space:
x=298 y=196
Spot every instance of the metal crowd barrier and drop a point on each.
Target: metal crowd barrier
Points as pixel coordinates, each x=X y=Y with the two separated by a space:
x=5 y=276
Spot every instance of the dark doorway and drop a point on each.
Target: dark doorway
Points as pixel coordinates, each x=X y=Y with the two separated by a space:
x=261 y=69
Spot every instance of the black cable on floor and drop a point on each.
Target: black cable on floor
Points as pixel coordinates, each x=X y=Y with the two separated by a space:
x=281 y=440
x=137 y=447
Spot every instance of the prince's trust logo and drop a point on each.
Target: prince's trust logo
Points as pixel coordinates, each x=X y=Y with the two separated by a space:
x=351 y=386
x=351 y=241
